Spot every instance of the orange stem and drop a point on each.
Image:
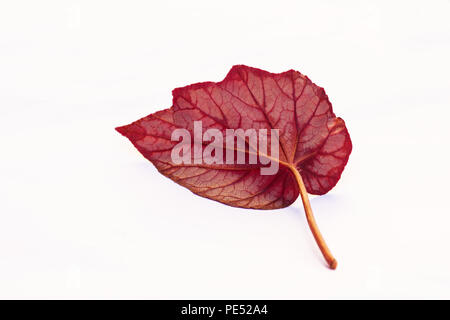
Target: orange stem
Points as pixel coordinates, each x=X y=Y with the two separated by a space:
x=332 y=263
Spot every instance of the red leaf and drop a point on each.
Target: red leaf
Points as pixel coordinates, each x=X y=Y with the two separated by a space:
x=314 y=145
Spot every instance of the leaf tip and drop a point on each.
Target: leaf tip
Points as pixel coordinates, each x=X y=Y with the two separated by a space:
x=122 y=130
x=132 y=131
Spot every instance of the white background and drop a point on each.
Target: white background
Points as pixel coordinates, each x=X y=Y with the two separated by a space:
x=84 y=215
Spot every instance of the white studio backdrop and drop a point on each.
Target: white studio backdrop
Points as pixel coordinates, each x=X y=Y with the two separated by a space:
x=84 y=215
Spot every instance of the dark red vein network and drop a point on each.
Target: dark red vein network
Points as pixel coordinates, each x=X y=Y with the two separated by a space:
x=312 y=139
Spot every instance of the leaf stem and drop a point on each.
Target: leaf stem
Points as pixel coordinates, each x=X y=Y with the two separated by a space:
x=332 y=263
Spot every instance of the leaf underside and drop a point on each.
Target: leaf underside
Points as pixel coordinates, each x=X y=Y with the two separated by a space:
x=311 y=138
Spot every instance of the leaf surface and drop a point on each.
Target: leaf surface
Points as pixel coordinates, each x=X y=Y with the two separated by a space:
x=312 y=139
